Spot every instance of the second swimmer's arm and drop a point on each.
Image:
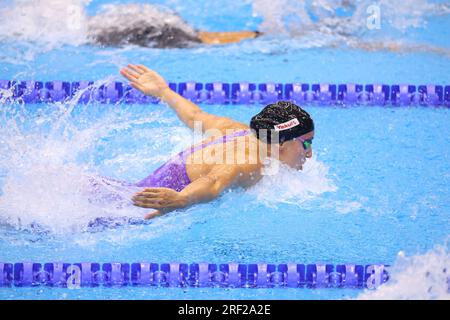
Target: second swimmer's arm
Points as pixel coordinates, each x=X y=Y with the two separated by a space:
x=226 y=37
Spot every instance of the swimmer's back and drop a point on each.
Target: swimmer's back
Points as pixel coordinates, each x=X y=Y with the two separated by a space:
x=249 y=171
x=152 y=26
x=144 y=25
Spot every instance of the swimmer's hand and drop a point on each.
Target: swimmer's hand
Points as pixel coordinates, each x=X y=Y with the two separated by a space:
x=163 y=199
x=145 y=80
x=154 y=214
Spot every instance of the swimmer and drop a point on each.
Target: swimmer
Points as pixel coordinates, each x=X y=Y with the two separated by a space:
x=183 y=181
x=153 y=26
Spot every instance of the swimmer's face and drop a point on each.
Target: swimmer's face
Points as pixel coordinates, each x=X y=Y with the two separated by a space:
x=293 y=152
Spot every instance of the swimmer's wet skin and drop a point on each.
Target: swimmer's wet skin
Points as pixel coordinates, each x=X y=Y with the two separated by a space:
x=153 y=26
x=226 y=37
x=168 y=37
x=180 y=182
x=163 y=35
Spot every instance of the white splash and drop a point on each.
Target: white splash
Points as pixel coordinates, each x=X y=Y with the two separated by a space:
x=418 y=277
x=341 y=17
x=293 y=186
x=120 y=18
x=345 y=207
x=44 y=183
x=58 y=22
x=53 y=22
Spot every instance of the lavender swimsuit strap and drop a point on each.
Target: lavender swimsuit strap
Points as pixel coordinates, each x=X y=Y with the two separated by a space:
x=223 y=139
x=173 y=174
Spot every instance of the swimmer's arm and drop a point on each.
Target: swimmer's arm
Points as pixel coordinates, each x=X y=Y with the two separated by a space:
x=210 y=186
x=203 y=189
x=151 y=83
x=226 y=37
x=190 y=113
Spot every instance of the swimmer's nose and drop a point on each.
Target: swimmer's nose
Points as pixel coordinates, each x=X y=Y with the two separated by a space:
x=309 y=153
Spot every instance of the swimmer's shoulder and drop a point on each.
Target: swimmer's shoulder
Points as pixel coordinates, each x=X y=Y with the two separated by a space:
x=233 y=126
x=249 y=175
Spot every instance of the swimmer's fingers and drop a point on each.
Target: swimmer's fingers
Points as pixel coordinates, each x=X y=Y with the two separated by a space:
x=150 y=204
x=146 y=192
x=137 y=86
x=158 y=190
x=156 y=213
x=153 y=214
x=133 y=75
x=130 y=75
x=154 y=203
x=157 y=198
x=136 y=69
x=146 y=199
x=144 y=68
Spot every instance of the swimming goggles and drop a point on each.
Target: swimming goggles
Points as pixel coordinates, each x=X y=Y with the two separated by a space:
x=305 y=142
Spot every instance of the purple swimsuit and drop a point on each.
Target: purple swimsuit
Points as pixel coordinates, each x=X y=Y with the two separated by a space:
x=173 y=173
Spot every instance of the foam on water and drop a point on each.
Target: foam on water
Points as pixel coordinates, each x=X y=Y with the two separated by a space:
x=53 y=23
x=330 y=23
x=343 y=17
x=44 y=182
x=417 y=277
x=293 y=186
x=54 y=160
x=137 y=17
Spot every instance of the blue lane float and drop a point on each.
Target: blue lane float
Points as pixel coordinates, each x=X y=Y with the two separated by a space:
x=323 y=94
x=229 y=275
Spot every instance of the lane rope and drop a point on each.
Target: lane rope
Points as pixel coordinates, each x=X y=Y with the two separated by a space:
x=229 y=275
x=231 y=93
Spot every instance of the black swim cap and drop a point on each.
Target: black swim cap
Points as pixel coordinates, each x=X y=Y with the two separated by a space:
x=288 y=119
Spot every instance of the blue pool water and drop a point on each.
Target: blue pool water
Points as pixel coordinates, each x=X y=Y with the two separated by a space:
x=376 y=190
